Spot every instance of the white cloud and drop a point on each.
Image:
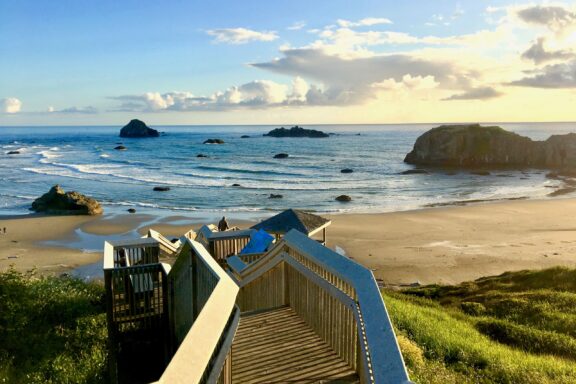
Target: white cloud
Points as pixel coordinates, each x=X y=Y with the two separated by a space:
x=298 y=25
x=482 y=93
x=539 y=54
x=551 y=76
x=240 y=35
x=10 y=105
x=89 y=110
x=366 y=22
x=554 y=17
x=408 y=82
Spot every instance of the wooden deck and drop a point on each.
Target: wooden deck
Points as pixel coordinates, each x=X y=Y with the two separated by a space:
x=277 y=346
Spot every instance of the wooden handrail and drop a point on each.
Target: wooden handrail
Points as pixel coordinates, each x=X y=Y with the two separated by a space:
x=198 y=351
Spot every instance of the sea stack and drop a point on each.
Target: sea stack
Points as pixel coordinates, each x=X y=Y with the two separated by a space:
x=138 y=129
x=476 y=146
x=58 y=202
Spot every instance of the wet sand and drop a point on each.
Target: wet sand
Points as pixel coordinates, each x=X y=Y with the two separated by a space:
x=440 y=245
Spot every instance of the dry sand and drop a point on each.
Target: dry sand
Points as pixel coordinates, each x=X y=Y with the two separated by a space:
x=440 y=245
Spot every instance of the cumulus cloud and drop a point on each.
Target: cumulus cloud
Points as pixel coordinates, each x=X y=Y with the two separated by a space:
x=240 y=35
x=366 y=22
x=352 y=79
x=555 y=17
x=10 y=105
x=408 y=82
x=551 y=76
x=538 y=53
x=480 y=93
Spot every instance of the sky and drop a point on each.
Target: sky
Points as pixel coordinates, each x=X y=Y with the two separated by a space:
x=79 y=62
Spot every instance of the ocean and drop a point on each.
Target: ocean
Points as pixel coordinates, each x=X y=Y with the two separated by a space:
x=83 y=159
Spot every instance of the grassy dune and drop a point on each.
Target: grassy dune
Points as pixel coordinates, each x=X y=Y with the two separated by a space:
x=513 y=328
x=52 y=330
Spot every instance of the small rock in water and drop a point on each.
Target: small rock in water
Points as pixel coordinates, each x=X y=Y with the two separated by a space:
x=214 y=141
x=273 y=196
x=244 y=137
x=281 y=156
x=416 y=171
x=13 y=153
x=201 y=155
x=344 y=198
x=131 y=210
x=120 y=148
x=161 y=189
x=236 y=185
x=346 y=170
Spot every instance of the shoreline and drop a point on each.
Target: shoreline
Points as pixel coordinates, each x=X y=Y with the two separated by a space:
x=445 y=245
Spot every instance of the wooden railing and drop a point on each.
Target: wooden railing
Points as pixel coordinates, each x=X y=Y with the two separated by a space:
x=189 y=305
x=223 y=244
x=338 y=298
x=200 y=290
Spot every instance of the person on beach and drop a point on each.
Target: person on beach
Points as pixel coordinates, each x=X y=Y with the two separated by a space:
x=223 y=224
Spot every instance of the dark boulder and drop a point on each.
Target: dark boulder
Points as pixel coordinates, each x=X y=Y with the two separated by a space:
x=343 y=198
x=138 y=129
x=296 y=131
x=281 y=156
x=346 y=170
x=120 y=148
x=236 y=185
x=161 y=189
x=13 y=152
x=473 y=146
x=58 y=202
x=214 y=141
x=274 y=196
x=131 y=210
x=201 y=155
x=244 y=137
x=415 y=171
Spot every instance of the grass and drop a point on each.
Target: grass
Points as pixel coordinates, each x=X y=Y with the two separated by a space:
x=516 y=327
x=52 y=330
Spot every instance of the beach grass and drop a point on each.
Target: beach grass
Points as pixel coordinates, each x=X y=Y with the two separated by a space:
x=516 y=327
x=52 y=330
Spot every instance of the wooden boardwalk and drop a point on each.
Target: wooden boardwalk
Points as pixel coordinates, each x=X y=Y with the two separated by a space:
x=277 y=346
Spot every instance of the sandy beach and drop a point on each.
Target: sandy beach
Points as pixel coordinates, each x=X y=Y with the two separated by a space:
x=440 y=245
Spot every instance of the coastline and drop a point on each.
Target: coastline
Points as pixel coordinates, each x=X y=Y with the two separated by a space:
x=443 y=245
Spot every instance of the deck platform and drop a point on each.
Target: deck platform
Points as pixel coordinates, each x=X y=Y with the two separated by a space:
x=277 y=346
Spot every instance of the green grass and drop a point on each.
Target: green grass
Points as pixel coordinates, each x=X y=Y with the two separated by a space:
x=52 y=330
x=516 y=327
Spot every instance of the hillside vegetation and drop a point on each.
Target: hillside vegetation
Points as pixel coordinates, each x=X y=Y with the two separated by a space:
x=514 y=328
x=52 y=330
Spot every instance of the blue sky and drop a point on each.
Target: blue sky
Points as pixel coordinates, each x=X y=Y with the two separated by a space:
x=192 y=62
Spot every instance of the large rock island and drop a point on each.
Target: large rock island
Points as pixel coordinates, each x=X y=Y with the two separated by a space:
x=58 y=202
x=296 y=132
x=478 y=146
x=136 y=129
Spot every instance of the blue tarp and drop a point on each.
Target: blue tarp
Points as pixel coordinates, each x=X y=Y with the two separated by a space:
x=259 y=242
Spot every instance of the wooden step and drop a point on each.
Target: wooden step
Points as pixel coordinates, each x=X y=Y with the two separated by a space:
x=278 y=347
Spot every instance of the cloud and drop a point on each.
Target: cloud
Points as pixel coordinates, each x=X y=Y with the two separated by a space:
x=155 y=101
x=352 y=79
x=538 y=53
x=89 y=110
x=481 y=93
x=556 y=18
x=10 y=105
x=240 y=35
x=408 y=82
x=551 y=76
x=366 y=22
x=298 y=25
